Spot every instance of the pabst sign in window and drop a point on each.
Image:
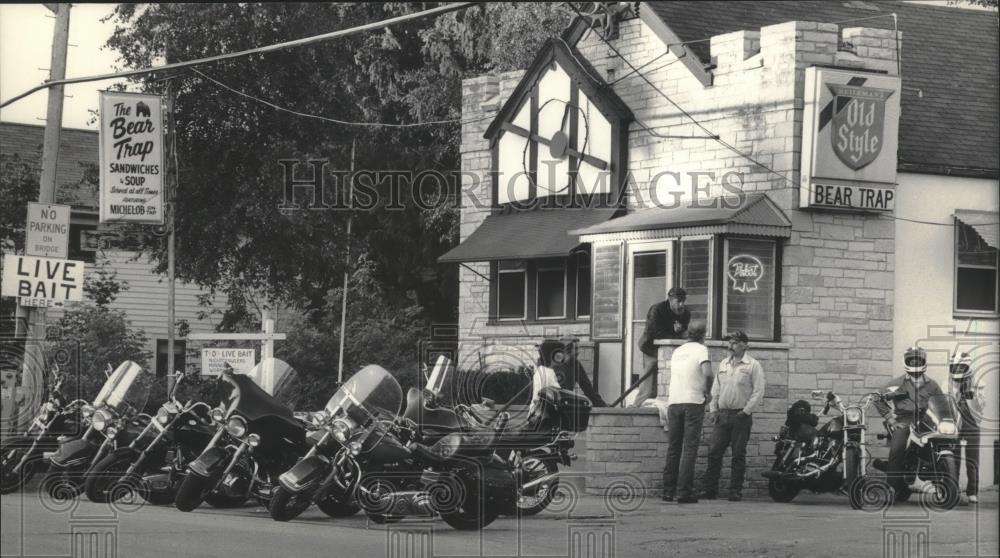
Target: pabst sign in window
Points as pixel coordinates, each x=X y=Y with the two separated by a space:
x=850 y=135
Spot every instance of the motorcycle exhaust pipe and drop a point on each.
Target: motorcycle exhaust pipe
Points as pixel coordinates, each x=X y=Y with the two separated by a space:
x=406 y=504
x=531 y=488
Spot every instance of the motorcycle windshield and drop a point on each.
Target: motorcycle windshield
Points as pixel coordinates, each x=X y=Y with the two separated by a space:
x=271 y=371
x=942 y=406
x=131 y=389
x=110 y=383
x=370 y=393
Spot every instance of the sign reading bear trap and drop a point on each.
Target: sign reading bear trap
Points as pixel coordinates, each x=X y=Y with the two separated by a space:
x=850 y=137
x=214 y=359
x=131 y=158
x=37 y=280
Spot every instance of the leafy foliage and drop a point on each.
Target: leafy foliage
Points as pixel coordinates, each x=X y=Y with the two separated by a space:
x=18 y=186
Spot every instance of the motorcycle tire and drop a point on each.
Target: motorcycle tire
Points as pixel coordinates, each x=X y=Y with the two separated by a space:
x=782 y=491
x=157 y=498
x=62 y=485
x=946 y=495
x=546 y=468
x=106 y=481
x=469 y=516
x=335 y=508
x=11 y=453
x=193 y=491
x=287 y=505
x=852 y=466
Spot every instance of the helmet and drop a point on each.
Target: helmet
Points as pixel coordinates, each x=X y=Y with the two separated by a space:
x=915 y=361
x=961 y=366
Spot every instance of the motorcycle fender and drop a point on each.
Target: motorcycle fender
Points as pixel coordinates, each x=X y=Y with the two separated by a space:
x=74 y=453
x=209 y=461
x=305 y=474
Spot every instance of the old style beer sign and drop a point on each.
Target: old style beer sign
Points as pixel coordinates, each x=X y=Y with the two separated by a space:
x=131 y=158
x=850 y=137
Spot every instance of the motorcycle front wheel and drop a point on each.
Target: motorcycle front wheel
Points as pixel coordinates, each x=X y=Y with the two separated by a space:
x=12 y=451
x=193 y=490
x=946 y=493
x=287 y=505
x=106 y=481
x=335 y=508
x=62 y=484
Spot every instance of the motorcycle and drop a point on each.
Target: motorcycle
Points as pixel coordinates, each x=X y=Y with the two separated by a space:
x=21 y=457
x=830 y=459
x=394 y=466
x=932 y=451
x=258 y=439
x=152 y=468
x=113 y=419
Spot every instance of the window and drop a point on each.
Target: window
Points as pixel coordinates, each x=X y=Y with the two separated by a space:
x=161 y=357
x=512 y=290
x=83 y=242
x=695 y=277
x=750 y=287
x=976 y=271
x=583 y=285
x=551 y=289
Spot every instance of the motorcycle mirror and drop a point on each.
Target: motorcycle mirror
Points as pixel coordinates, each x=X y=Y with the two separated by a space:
x=892 y=389
x=817 y=393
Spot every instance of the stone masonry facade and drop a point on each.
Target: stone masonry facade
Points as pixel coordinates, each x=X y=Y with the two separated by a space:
x=837 y=269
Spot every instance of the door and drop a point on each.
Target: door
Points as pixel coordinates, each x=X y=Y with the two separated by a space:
x=650 y=276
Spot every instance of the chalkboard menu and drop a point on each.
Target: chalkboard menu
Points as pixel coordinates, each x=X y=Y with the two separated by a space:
x=607 y=313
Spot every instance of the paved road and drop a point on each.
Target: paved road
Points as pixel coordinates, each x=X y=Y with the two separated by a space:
x=813 y=525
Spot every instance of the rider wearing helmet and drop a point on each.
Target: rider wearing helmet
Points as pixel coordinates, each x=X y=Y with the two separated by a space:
x=918 y=388
x=969 y=405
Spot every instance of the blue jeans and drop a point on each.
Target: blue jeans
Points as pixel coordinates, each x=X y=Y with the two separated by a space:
x=731 y=431
x=684 y=422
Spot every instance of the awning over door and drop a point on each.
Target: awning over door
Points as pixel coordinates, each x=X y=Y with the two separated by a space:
x=754 y=214
x=985 y=224
x=542 y=233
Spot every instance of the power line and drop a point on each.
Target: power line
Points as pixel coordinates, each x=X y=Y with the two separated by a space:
x=258 y=50
x=334 y=120
x=715 y=136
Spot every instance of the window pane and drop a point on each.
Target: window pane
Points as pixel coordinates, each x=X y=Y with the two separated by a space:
x=977 y=289
x=750 y=288
x=583 y=285
x=510 y=290
x=972 y=249
x=551 y=293
x=694 y=276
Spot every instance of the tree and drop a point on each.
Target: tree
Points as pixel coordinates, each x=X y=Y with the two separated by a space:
x=232 y=236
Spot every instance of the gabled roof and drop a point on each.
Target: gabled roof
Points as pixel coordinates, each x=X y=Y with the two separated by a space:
x=951 y=99
x=77 y=149
x=586 y=77
x=753 y=214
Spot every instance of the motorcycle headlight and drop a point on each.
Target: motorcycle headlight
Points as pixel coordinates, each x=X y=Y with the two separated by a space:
x=947 y=427
x=853 y=415
x=448 y=446
x=163 y=416
x=253 y=440
x=354 y=447
x=217 y=415
x=87 y=411
x=237 y=427
x=111 y=432
x=100 y=420
x=341 y=430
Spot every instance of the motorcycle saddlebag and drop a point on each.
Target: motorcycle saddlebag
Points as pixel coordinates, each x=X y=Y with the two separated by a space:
x=573 y=410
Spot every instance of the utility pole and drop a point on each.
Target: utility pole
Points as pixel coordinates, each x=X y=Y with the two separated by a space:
x=347 y=266
x=173 y=177
x=31 y=321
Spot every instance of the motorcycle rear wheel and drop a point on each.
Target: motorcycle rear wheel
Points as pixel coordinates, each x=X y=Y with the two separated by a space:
x=532 y=468
x=287 y=505
x=11 y=453
x=782 y=491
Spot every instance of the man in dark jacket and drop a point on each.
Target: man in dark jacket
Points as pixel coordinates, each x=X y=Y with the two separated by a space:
x=664 y=320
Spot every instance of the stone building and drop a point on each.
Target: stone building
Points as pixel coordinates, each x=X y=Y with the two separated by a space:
x=778 y=160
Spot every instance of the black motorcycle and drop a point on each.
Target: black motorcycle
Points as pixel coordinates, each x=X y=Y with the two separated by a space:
x=21 y=457
x=153 y=466
x=114 y=419
x=258 y=439
x=829 y=459
x=932 y=451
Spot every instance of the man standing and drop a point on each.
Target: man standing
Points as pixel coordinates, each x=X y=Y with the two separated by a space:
x=970 y=405
x=737 y=391
x=690 y=384
x=664 y=320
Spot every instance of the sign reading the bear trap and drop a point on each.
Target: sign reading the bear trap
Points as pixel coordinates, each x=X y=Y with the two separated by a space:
x=30 y=277
x=131 y=158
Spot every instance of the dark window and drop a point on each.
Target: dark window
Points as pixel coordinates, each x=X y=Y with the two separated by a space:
x=83 y=242
x=695 y=278
x=161 y=356
x=749 y=291
x=511 y=291
x=976 y=274
x=551 y=289
x=583 y=285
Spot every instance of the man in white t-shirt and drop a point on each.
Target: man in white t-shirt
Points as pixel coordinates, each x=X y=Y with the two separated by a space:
x=690 y=391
